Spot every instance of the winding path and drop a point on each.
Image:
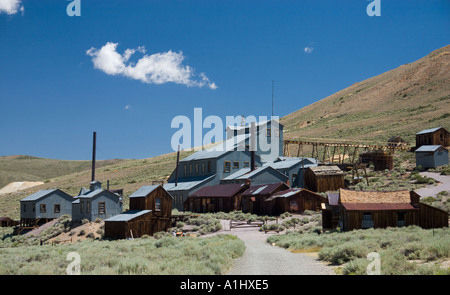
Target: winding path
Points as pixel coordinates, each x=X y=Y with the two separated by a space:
x=261 y=258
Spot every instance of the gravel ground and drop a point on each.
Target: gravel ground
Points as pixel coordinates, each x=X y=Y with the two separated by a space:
x=433 y=190
x=260 y=258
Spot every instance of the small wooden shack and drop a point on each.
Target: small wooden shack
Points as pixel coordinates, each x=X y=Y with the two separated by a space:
x=370 y=209
x=324 y=178
x=253 y=198
x=434 y=136
x=216 y=198
x=150 y=212
x=7 y=222
x=381 y=160
x=396 y=141
x=294 y=200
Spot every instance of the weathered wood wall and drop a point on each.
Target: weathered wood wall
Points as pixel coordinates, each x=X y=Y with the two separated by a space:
x=431 y=217
x=323 y=183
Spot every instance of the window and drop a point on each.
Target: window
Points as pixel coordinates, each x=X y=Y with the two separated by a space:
x=209 y=166
x=400 y=219
x=294 y=178
x=88 y=206
x=269 y=132
x=180 y=196
x=34 y=208
x=175 y=199
x=43 y=208
x=190 y=168
x=57 y=208
x=203 y=167
x=367 y=221
x=441 y=136
x=185 y=169
x=246 y=164
x=196 y=168
x=101 y=208
x=158 y=204
x=81 y=206
x=235 y=165
x=226 y=166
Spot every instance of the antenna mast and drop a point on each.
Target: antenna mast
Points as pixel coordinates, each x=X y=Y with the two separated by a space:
x=272 y=96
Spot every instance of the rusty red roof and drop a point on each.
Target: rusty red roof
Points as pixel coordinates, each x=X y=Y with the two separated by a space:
x=221 y=190
x=263 y=189
x=377 y=206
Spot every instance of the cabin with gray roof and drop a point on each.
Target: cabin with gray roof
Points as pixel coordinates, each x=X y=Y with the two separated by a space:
x=431 y=156
x=96 y=203
x=44 y=206
x=253 y=199
x=150 y=212
x=433 y=136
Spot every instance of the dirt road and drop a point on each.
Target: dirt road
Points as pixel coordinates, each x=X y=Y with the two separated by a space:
x=433 y=190
x=260 y=258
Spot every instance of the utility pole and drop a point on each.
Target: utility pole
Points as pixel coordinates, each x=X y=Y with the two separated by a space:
x=93 y=155
x=273 y=88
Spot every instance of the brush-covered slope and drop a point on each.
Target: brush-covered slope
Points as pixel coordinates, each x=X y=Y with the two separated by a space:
x=402 y=102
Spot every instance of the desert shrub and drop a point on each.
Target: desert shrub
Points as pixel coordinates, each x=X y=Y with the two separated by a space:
x=82 y=232
x=98 y=220
x=343 y=253
x=84 y=221
x=90 y=235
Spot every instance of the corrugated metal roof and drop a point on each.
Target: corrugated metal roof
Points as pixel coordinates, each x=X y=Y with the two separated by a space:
x=221 y=190
x=203 y=155
x=282 y=164
x=428 y=148
x=144 y=191
x=257 y=124
x=129 y=215
x=237 y=174
x=429 y=130
x=285 y=193
x=186 y=185
x=38 y=195
x=262 y=189
x=90 y=194
x=377 y=206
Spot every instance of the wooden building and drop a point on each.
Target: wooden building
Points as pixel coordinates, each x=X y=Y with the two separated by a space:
x=324 y=178
x=150 y=212
x=294 y=200
x=381 y=160
x=371 y=209
x=253 y=198
x=7 y=222
x=396 y=141
x=216 y=198
x=331 y=211
x=434 y=136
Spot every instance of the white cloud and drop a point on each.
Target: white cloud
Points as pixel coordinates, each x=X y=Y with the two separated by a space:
x=157 y=68
x=10 y=6
x=309 y=49
x=127 y=107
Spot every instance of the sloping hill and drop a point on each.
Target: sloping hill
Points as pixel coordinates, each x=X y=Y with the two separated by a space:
x=401 y=102
x=28 y=168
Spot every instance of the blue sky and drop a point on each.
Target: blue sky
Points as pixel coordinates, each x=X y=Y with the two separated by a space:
x=125 y=68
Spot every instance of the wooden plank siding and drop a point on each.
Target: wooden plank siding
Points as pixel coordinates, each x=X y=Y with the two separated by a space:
x=431 y=217
x=147 y=224
x=323 y=183
x=438 y=137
